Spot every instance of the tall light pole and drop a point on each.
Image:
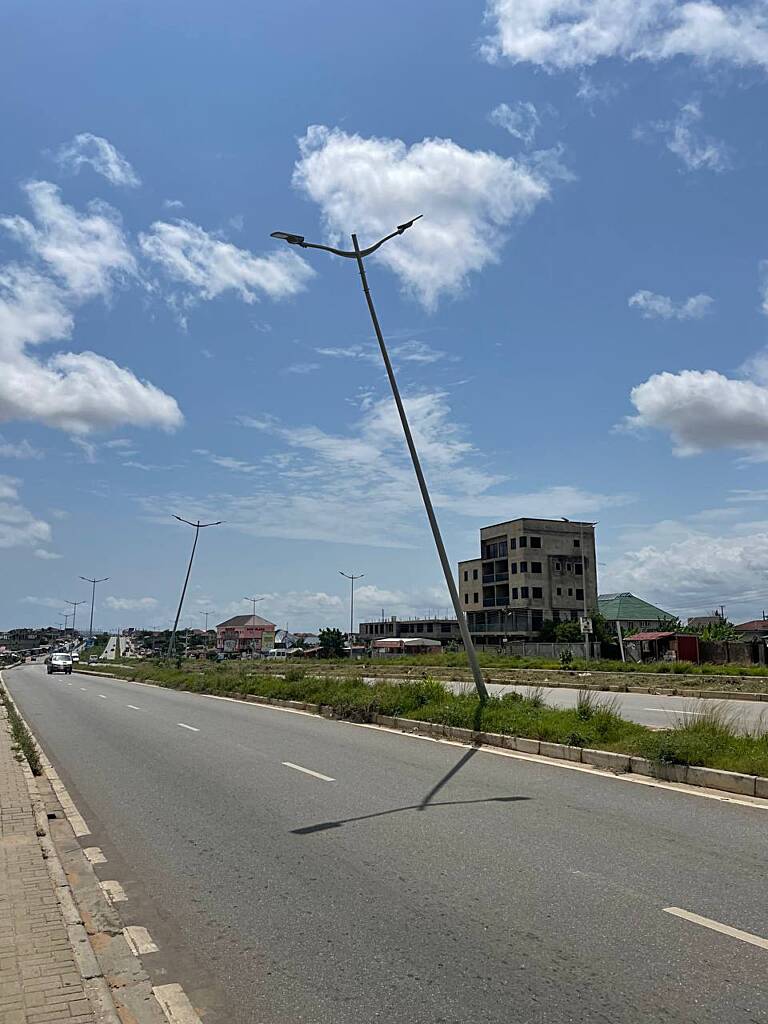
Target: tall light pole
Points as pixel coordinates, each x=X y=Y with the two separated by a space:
x=254 y=601
x=584 y=578
x=93 y=599
x=206 y=614
x=198 y=526
x=359 y=255
x=74 y=612
x=351 y=577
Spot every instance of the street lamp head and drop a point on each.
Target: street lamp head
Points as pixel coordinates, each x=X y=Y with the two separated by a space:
x=286 y=236
x=408 y=224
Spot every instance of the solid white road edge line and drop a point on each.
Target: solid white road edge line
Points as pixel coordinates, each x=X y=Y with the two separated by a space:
x=139 y=940
x=94 y=855
x=725 y=929
x=114 y=892
x=675 y=711
x=308 y=771
x=185 y=726
x=175 y=1005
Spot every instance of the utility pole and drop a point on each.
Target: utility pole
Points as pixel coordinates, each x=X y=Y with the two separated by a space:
x=254 y=601
x=74 y=612
x=93 y=599
x=351 y=577
x=359 y=255
x=198 y=526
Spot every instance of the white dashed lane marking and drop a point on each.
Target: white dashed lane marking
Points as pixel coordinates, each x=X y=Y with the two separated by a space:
x=716 y=926
x=133 y=707
x=94 y=855
x=103 y=696
x=308 y=771
x=139 y=940
x=185 y=726
x=113 y=891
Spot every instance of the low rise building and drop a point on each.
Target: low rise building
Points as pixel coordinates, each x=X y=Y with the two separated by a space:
x=445 y=630
x=755 y=629
x=529 y=570
x=245 y=634
x=631 y=613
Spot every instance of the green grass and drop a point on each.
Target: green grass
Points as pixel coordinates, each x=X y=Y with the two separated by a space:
x=711 y=740
x=21 y=735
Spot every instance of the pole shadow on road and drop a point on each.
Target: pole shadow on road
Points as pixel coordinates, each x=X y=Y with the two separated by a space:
x=427 y=802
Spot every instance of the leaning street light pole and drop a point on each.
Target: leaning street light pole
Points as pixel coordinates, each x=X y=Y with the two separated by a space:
x=198 y=526
x=93 y=583
x=359 y=255
x=351 y=577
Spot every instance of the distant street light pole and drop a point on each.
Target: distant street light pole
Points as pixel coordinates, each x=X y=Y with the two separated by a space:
x=74 y=612
x=198 y=526
x=206 y=614
x=93 y=599
x=254 y=601
x=584 y=579
x=351 y=577
x=359 y=255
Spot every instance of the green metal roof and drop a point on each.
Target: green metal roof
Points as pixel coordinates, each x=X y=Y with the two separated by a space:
x=628 y=608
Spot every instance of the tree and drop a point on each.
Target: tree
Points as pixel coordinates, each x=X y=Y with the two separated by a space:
x=331 y=643
x=568 y=632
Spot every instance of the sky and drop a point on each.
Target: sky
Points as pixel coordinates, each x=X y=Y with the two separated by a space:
x=578 y=322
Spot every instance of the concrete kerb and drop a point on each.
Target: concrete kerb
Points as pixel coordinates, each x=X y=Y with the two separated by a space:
x=710 y=778
x=88 y=918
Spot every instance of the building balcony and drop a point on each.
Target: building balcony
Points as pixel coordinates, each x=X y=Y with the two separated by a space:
x=496 y=577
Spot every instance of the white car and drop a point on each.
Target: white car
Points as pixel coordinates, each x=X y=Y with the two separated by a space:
x=60 y=662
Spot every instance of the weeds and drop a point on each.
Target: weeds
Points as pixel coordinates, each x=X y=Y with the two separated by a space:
x=21 y=735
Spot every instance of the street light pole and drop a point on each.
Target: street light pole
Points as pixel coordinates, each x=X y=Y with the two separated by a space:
x=359 y=255
x=198 y=526
x=93 y=599
x=74 y=612
x=254 y=601
x=351 y=577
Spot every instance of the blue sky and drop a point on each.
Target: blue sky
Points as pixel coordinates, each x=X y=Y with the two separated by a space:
x=578 y=322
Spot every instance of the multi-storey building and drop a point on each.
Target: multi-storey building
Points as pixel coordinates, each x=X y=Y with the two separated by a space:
x=529 y=570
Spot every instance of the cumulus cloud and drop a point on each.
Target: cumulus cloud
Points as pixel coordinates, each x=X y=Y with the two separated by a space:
x=703 y=409
x=208 y=265
x=653 y=306
x=18 y=526
x=77 y=392
x=99 y=154
x=562 y=34
x=470 y=199
x=682 y=137
x=130 y=604
x=87 y=252
x=521 y=120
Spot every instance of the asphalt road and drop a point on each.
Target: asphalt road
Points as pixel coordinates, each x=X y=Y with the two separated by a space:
x=655 y=710
x=426 y=883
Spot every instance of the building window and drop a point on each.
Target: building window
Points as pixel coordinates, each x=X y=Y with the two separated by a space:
x=513 y=567
x=568 y=567
x=579 y=595
x=535 y=566
x=430 y=627
x=537 y=592
x=466 y=575
x=523 y=567
x=514 y=593
x=523 y=591
x=466 y=599
x=512 y=543
x=523 y=542
x=570 y=592
x=474 y=598
x=576 y=542
x=578 y=569
x=535 y=542
x=557 y=567
x=559 y=591
x=445 y=627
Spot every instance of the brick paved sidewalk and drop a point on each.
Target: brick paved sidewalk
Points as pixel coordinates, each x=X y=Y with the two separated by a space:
x=39 y=979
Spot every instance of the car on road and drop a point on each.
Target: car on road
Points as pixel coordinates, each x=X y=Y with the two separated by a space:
x=60 y=662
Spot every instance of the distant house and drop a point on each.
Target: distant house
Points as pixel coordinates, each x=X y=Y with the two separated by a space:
x=245 y=634
x=701 y=621
x=755 y=629
x=660 y=645
x=390 y=645
x=631 y=613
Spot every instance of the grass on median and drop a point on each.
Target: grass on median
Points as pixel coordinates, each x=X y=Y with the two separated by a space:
x=20 y=734
x=709 y=739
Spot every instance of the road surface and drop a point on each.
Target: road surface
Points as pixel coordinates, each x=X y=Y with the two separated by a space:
x=111 y=650
x=294 y=869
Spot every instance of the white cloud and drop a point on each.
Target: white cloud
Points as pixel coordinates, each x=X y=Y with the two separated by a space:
x=101 y=155
x=209 y=266
x=653 y=306
x=130 y=604
x=45 y=555
x=469 y=200
x=703 y=409
x=407 y=352
x=561 y=34
x=18 y=526
x=87 y=252
x=302 y=368
x=226 y=461
x=682 y=138
x=173 y=204
x=356 y=486
x=18 y=450
x=44 y=602
x=76 y=392
x=521 y=120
